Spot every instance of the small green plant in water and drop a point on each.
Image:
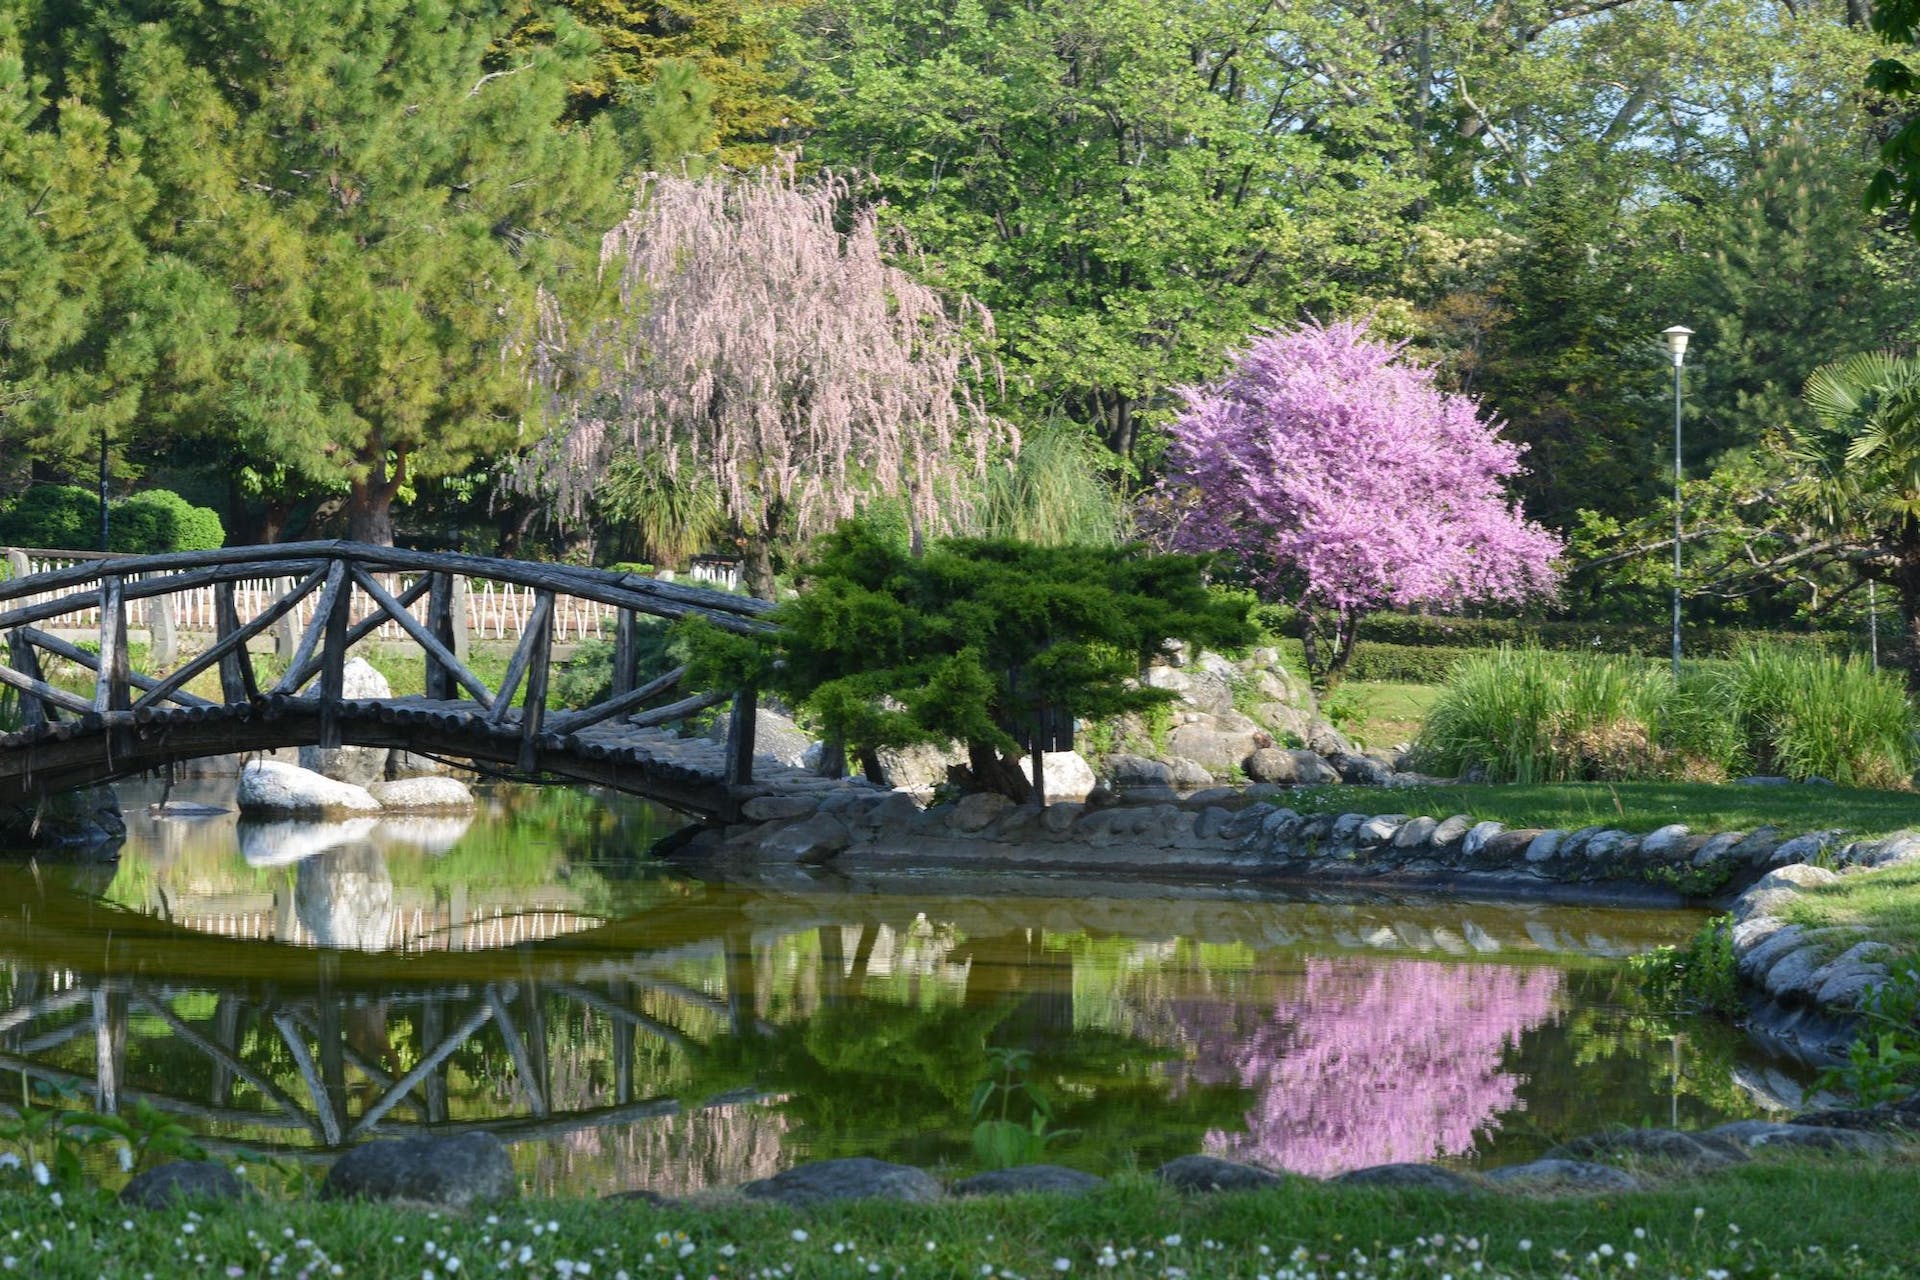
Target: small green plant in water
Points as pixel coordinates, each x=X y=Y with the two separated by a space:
x=1700 y=975
x=1000 y=1141
x=1883 y=1063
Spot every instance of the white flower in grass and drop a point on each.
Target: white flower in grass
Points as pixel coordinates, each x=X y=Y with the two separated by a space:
x=1062 y=1264
x=40 y=1174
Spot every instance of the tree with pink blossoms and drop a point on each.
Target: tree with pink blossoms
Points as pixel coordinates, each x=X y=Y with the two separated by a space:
x=767 y=348
x=1342 y=479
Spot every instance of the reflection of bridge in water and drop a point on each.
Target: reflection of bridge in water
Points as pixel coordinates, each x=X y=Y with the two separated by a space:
x=615 y=1041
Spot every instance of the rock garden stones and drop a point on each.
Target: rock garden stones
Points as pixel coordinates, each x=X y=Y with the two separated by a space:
x=1029 y=1179
x=1425 y=1177
x=855 y=1178
x=1690 y=1153
x=422 y=794
x=451 y=1173
x=1554 y=1175
x=273 y=789
x=1210 y=1173
x=167 y=1185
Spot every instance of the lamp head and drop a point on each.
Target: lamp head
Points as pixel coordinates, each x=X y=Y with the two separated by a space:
x=1677 y=343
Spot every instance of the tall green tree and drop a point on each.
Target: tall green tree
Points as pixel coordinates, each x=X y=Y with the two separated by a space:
x=1130 y=187
x=379 y=194
x=1859 y=464
x=95 y=329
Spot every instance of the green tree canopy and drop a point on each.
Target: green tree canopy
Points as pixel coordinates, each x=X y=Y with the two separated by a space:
x=974 y=641
x=377 y=195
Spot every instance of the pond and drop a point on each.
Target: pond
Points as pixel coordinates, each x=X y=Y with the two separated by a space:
x=290 y=987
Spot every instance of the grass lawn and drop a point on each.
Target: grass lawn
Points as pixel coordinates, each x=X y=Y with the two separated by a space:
x=1885 y=902
x=1383 y=714
x=1806 y=1219
x=1637 y=806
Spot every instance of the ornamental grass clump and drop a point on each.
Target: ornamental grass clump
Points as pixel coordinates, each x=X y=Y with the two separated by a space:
x=1812 y=715
x=1532 y=716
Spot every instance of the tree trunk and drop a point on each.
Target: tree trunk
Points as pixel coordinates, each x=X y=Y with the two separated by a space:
x=758 y=570
x=370 y=501
x=370 y=515
x=992 y=771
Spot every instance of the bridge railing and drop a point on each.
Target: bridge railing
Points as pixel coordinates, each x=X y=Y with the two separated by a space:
x=489 y=610
x=327 y=597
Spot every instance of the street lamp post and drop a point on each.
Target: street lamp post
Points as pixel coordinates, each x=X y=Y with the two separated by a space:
x=1676 y=338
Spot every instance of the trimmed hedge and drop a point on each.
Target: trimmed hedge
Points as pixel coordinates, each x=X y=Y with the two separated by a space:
x=67 y=518
x=1408 y=630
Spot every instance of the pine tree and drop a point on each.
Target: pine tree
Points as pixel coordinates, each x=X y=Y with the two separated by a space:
x=381 y=195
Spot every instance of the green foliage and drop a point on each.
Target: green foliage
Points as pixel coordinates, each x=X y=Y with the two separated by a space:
x=56 y=517
x=1883 y=1062
x=999 y=1140
x=1701 y=975
x=156 y=520
x=67 y=518
x=55 y=1139
x=1807 y=716
x=972 y=640
x=658 y=515
x=1527 y=715
x=1055 y=492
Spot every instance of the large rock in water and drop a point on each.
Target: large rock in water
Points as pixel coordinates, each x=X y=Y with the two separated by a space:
x=362 y=766
x=276 y=790
x=424 y=793
x=1210 y=1173
x=1068 y=775
x=454 y=1173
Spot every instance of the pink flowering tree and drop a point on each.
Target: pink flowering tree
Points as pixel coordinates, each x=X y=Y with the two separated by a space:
x=768 y=355
x=1343 y=480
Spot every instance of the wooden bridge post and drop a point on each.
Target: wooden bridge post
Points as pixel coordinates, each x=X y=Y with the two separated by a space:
x=446 y=629
x=533 y=711
x=237 y=683
x=740 y=729
x=625 y=640
x=333 y=660
x=112 y=688
x=24 y=658
x=110 y=1047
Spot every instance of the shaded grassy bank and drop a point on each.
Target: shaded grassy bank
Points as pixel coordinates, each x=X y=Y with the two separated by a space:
x=1886 y=903
x=1636 y=806
x=1803 y=1218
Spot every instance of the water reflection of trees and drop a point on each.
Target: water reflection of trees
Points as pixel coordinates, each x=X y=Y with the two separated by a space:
x=711 y=1042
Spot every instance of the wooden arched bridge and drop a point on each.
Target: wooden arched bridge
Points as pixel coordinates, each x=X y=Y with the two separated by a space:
x=323 y=599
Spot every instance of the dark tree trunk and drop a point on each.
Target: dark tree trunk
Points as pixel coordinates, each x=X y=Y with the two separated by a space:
x=370 y=501
x=991 y=771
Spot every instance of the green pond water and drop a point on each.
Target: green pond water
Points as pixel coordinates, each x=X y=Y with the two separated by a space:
x=291 y=987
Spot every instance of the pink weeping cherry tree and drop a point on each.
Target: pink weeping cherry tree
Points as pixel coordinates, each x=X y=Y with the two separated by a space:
x=1342 y=479
x=766 y=348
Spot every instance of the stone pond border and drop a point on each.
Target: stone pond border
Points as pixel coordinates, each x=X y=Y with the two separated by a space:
x=473 y=1170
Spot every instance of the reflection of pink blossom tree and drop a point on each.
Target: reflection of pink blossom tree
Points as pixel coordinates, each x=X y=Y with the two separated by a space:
x=1376 y=1062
